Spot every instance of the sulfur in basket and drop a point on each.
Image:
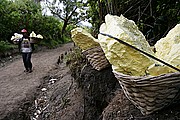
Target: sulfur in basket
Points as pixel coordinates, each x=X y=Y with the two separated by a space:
x=16 y=41
x=34 y=40
x=150 y=93
x=96 y=58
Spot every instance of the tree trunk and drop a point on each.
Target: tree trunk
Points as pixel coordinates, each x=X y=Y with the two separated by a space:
x=100 y=11
x=63 y=29
x=66 y=23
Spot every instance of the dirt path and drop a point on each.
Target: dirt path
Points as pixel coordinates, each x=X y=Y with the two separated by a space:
x=15 y=84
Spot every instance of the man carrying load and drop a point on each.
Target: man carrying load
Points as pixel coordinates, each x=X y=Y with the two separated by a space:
x=26 y=48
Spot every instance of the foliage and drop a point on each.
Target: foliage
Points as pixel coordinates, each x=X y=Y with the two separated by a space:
x=75 y=60
x=48 y=26
x=68 y=11
x=5 y=46
x=154 y=18
x=93 y=15
x=18 y=14
x=45 y=25
x=4 y=16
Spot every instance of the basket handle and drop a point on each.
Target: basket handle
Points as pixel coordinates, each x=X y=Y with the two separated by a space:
x=149 y=55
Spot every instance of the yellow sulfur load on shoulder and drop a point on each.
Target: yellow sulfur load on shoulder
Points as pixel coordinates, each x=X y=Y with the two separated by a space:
x=39 y=36
x=123 y=58
x=33 y=34
x=83 y=39
x=168 y=50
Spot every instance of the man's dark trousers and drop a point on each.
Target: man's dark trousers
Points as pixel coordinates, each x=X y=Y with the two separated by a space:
x=27 y=60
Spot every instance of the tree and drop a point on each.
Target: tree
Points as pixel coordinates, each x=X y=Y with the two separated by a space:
x=154 y=18
x=4 y=10
x=68 y=11
x=95 y=14
x=18 y=14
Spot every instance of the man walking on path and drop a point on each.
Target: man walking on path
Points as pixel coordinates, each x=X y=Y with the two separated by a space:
x=26 y=48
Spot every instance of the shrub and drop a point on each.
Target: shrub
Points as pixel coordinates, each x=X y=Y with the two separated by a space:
x=5 y=46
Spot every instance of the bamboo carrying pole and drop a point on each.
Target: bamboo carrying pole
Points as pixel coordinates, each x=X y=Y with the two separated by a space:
x=149 y=55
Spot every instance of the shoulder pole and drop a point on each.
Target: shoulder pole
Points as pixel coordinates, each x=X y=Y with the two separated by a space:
x=149 y=55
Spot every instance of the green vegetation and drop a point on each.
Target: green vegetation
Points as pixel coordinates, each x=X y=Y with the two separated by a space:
x=5 y=46
x=18 y=14
x=75 y=60
x=154 y=18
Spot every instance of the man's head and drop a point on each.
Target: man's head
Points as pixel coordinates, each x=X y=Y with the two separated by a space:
x=24 y=32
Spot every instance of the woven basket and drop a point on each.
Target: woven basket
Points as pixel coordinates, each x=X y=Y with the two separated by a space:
x=150 y=94
x=96 y=58
x=35 y=40
x=16 y=41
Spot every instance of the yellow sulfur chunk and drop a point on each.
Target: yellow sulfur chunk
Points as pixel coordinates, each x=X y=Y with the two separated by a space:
x=158 y=69
x=39 y=36
x=83 y=39
x=165 y=45
x=123 y=58
x=33 y=34
x=168 y=50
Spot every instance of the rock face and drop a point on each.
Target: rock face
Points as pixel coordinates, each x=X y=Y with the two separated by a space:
x=168 y=50
x=123 y=58
x=83 y=39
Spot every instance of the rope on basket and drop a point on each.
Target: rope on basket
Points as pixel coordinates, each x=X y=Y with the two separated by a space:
x=149 y=55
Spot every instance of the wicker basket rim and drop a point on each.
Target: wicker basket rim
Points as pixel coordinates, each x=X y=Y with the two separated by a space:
x=95 y=47
x=147 y=76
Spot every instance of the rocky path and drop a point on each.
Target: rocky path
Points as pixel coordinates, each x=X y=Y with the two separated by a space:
x=15 y=85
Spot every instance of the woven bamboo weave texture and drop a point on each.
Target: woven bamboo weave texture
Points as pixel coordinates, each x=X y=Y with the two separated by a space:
x=150 y=93
x=96 y=58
